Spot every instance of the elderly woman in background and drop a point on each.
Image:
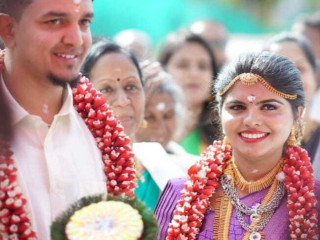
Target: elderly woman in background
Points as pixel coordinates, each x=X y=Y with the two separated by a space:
x=164 y=115
x=257 y=183
x=190 y=61
x=117 y=75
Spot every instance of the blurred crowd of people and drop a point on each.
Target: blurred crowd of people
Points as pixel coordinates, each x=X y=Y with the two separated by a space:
x=191 y=58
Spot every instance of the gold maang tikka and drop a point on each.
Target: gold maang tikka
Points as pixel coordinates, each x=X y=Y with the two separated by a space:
x=250 y=79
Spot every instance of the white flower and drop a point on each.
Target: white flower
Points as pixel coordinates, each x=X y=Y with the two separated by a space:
x=185 y=227
x=180 y=218
x=183 y=237
x=187 y=205
x=189 y=184
x=175 y=224
x=84 y=86
x=280 y=176
x=202 y=173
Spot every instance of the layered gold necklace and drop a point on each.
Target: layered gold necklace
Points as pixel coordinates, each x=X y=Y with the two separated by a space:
x=223 y=206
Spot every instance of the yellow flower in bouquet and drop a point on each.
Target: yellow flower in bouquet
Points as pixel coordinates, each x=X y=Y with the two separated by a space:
x=112 y=220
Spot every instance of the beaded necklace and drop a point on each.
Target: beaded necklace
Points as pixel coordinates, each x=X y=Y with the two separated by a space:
x=204 y=177
x=117 y=158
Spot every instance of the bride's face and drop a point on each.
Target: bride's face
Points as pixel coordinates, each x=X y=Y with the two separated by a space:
x=257 y=122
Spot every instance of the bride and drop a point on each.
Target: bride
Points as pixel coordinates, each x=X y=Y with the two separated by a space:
x=257 y=183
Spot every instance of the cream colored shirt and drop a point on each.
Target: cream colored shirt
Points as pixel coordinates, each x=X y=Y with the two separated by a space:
x=56 y=165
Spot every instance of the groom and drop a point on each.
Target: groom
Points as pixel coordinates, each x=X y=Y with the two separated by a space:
x=57 y=158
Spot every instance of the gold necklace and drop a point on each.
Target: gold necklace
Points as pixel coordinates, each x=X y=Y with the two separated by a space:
x=223 y=206
x=262 y=183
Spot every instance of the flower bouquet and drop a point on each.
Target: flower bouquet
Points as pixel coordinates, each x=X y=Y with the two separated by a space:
x=104 y=216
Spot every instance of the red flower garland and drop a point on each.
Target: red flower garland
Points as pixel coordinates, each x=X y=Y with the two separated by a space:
x=15 y=223
x=300 y=186
x=111 y=140
x=204 y=180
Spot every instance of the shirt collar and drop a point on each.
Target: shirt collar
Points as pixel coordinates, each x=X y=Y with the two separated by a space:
x=67 y=106
x=19 y=113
